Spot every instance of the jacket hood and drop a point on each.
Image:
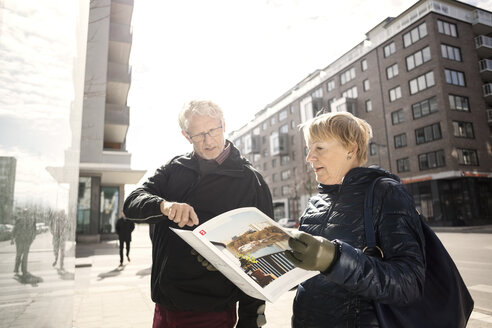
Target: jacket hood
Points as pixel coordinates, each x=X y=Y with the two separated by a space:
x=360 y=175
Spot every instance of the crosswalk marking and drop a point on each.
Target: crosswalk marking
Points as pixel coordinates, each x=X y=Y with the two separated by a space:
x=481 y=316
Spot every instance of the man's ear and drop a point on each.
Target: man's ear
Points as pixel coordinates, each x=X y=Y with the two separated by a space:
x=186 y=136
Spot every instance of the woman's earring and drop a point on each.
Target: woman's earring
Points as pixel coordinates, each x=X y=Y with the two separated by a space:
x=349 y=157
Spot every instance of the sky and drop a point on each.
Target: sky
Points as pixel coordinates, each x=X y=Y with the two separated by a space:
x=240 y=54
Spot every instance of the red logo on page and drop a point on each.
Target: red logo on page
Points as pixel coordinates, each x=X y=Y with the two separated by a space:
x=203 y=232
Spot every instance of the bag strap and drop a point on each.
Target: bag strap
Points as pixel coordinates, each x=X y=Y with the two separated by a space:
x=368 y=220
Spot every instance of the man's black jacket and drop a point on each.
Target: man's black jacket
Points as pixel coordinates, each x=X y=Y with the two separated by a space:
x=179 y=282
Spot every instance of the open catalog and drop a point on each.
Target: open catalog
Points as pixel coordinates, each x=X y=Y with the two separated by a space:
x=248 y=247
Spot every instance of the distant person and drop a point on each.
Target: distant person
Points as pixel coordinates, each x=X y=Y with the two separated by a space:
x=187 y=191
x=59 y=231
x=331 y=239
x=124 y=229
x=23 y=235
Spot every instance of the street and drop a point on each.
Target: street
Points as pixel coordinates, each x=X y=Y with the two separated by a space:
x=101 y=294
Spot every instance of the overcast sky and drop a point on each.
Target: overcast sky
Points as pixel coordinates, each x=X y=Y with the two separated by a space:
x=241 y=54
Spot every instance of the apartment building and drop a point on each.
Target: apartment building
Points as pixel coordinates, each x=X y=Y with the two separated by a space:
x=423 y=80
x=104 y=161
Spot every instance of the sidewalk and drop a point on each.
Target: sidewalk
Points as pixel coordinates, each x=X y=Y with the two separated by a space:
x=109 y=296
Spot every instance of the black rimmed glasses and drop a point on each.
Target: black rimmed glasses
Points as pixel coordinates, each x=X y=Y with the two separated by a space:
x=200 y=137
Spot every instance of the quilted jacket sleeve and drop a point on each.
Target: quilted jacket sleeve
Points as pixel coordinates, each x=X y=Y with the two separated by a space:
x=399 y=277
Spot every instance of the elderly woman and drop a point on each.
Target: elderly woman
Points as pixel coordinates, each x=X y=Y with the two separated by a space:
x=331 y=236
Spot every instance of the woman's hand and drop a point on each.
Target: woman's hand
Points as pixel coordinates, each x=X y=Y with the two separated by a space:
x=311 y=252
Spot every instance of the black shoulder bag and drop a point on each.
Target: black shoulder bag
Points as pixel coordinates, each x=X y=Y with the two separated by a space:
x=446 y=302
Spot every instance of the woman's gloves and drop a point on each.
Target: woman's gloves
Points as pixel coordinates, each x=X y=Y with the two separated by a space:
x=311 y=252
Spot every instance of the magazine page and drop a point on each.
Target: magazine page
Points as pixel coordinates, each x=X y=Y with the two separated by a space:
x=249 y=248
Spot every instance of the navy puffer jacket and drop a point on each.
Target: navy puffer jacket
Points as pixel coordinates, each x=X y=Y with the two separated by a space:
x=344 y=296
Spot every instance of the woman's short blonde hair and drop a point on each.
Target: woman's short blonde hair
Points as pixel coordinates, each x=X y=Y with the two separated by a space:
x=200 y=107
x=348 y=129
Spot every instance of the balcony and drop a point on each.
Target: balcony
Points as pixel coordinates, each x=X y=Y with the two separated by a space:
x=483 y=44
x=121 y=11
x=487 y=92
x=279 y=144
x=116 y=122
x=344 y=105
x=119 y=79
x=482 y=22
x=252 y=144
x=485 y=66
x=120 y=43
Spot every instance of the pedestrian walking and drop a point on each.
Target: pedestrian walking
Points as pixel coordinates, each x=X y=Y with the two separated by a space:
x=23 y=235
x=124 y=229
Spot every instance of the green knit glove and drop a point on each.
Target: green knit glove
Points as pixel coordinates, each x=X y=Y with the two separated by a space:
x=310 y=252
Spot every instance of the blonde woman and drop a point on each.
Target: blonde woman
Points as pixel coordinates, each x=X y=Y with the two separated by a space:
x=331 y=236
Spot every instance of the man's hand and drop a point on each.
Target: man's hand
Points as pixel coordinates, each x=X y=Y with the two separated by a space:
x=180 y=213
x=310 y=252
x=202 y=261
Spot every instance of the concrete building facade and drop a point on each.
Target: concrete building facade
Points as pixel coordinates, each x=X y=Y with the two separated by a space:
x=423 y=81
x=8 y=166
x=104 y=161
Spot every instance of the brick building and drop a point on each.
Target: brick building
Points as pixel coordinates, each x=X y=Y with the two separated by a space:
x=423 y=80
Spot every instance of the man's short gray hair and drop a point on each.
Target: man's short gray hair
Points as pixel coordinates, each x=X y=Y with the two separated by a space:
x=200 y=107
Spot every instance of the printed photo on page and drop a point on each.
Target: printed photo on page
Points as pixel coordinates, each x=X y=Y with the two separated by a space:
x=253 y=243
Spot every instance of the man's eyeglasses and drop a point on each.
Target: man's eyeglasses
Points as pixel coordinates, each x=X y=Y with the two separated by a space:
x=200 y=137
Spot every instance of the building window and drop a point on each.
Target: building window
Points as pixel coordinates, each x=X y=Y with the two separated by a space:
x=463 y=129
x=447 y=28
x=424 y=108
x=397 y=117
x=373 y=149
x=265 y=166
x=330 y=85
x=422 y=82
x=285 y=190
x=455 y=77
x=401 y=140
x=284 y=128
x=366 y=85
x=418 y=58
x=350 y=93
x=392 y=71
x=284 y=159
x=274 y=162
x=275 y=191
x=368 y=106
x=459 y=103
x=274 y=177
x=395 y=93
x=363 y=65
x=264 y=126
x=414 y=35
x=389 y=49
x=285 y=175
x=428 y=133
x=467 y=157
x=450 y=52
x=282 y=115
x=272 y=121
x=347 y=76
x=403 y=164
x=431 y=160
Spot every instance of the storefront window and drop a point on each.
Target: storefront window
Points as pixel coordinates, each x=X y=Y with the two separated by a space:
x=109 y=209
x=84 y=205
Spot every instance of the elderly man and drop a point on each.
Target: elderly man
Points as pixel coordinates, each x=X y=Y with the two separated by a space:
x=189 y=190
